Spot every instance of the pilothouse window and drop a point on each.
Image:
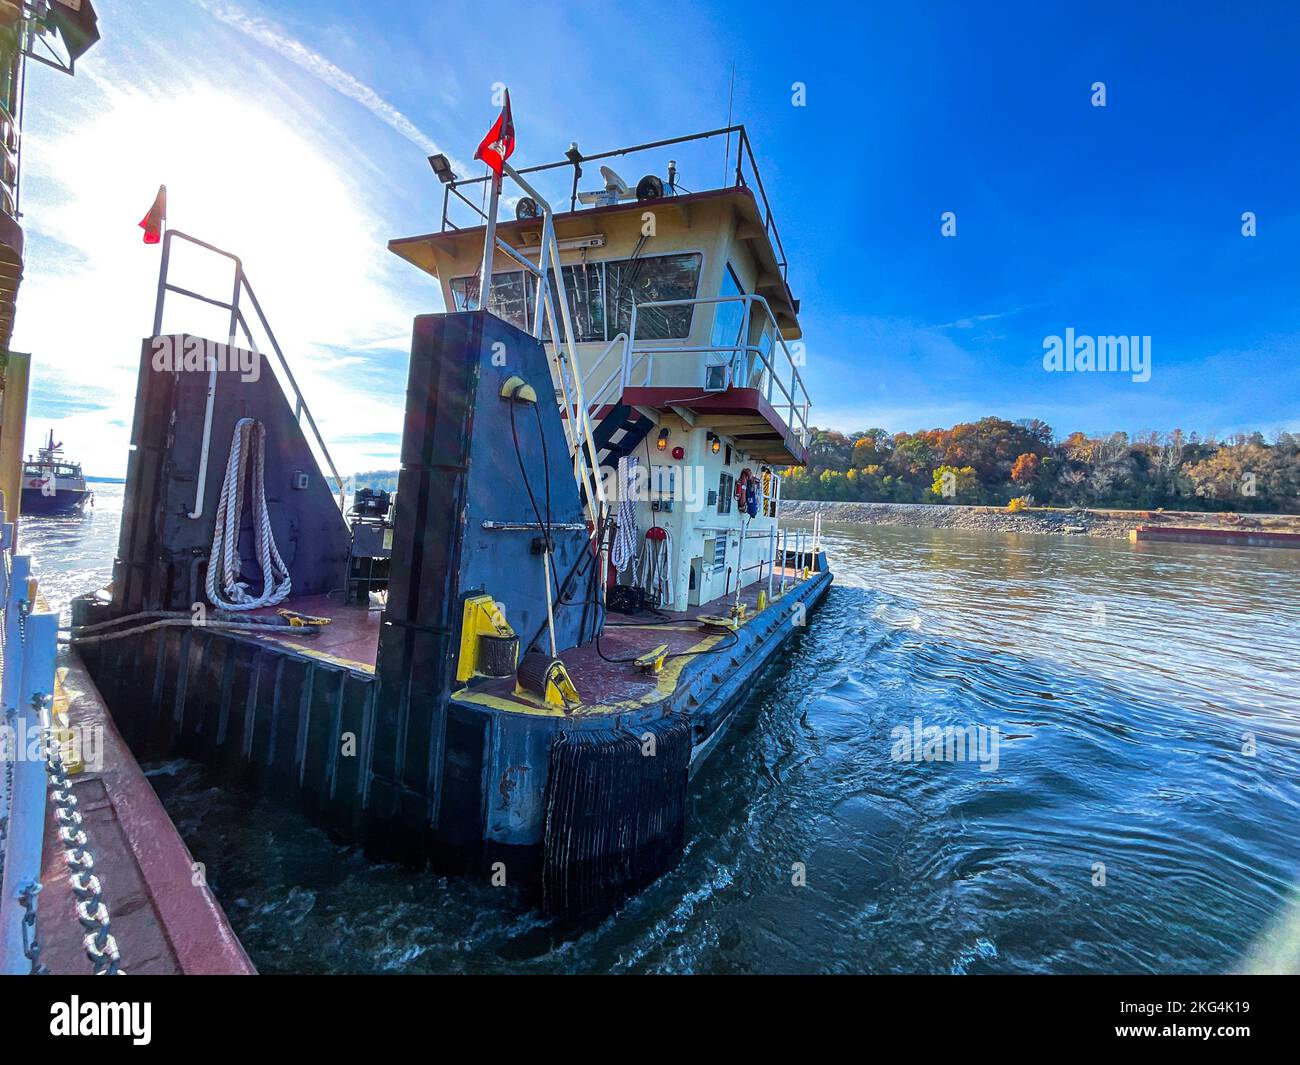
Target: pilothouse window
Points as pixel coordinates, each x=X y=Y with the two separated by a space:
x=601 y=296
x=514 y=298
x=506 y=299
x=646 y=280
x=585 y=285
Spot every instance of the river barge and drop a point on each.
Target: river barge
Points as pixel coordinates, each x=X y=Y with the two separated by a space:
x=511 y=668
x=1187 y=534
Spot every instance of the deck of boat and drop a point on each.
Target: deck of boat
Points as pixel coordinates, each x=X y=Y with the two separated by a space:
x=603 y=672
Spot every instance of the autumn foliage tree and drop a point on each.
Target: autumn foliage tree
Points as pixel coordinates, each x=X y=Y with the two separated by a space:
x=994 y=460
x=1025 y=468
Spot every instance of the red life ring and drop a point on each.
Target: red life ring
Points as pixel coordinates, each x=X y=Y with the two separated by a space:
x=741 y=485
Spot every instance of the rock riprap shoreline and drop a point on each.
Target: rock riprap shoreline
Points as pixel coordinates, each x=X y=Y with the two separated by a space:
x=1112 y=524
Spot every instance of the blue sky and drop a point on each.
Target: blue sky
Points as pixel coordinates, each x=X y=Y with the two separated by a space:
x=295 y=133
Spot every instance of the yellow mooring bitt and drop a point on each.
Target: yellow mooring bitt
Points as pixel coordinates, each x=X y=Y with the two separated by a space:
x=488 y=645
x=652 y=661
x=539 y=674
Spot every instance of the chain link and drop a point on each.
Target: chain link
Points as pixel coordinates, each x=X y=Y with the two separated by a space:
x=31 y=946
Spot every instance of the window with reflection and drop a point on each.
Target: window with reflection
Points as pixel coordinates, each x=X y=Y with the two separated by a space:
x=728 y=317
x=507 y=298
x=645 y=280
x=514 y=298
x=584 y=283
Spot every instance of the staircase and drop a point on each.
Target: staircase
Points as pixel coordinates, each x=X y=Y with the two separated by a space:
x=619 y=434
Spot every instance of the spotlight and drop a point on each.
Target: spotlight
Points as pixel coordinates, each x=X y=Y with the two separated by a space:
x=662 y=443
x=442 y=167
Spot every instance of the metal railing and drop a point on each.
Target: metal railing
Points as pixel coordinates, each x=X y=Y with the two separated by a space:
x=793 y=403
x=241 y=286
x=552 y=309
x=744 y=154
x=28 y=645
x=604 y=393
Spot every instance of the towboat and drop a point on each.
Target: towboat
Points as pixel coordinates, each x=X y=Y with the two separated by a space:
x=512 y=667
x=51 y=484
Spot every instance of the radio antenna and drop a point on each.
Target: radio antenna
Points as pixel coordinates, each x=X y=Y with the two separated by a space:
x=731 y=97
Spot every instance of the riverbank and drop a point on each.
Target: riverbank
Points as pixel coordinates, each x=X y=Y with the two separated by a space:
x=1110 y=524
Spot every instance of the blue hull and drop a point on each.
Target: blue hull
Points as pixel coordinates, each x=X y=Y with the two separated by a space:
x=62 y=502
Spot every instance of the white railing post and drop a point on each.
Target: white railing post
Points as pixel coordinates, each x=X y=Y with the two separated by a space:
x=631 y=340
x=771 y=555
x=785 y=546
x=489 y=245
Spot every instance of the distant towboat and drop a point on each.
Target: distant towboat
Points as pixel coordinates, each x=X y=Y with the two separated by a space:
x=51 y=485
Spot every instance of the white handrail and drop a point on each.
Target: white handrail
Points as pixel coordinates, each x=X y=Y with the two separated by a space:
x=598 y=395
x=797 y=411
x=241 y=286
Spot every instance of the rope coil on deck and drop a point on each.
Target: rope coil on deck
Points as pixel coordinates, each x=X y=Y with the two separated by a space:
x=623 y=553
x=225 y=589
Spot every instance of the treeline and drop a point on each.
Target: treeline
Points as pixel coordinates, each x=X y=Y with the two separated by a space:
x=380 y=480
x=994 y=461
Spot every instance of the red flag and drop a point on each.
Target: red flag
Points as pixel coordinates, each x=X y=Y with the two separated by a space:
x=499 y=144
x=156 y=219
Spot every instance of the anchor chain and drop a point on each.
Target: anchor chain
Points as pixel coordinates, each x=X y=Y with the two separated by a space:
x=92 y=912
x=11 y=717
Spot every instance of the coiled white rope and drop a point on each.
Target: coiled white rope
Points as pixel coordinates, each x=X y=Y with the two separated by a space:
x=623 y=553
x=225 y=589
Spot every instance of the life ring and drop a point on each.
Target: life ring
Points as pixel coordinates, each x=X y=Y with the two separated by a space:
x=742 y=485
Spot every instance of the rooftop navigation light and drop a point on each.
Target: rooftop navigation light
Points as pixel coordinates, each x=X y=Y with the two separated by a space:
x=442 y=167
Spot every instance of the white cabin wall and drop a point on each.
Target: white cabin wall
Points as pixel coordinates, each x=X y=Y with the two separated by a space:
x=693 y=520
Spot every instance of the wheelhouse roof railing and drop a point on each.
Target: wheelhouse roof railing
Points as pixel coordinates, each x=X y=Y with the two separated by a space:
x=742 y=176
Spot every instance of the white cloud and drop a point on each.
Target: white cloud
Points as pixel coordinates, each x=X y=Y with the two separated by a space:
x=274 y=37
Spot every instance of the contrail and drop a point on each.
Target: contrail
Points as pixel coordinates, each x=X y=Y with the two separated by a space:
x=273 y=37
